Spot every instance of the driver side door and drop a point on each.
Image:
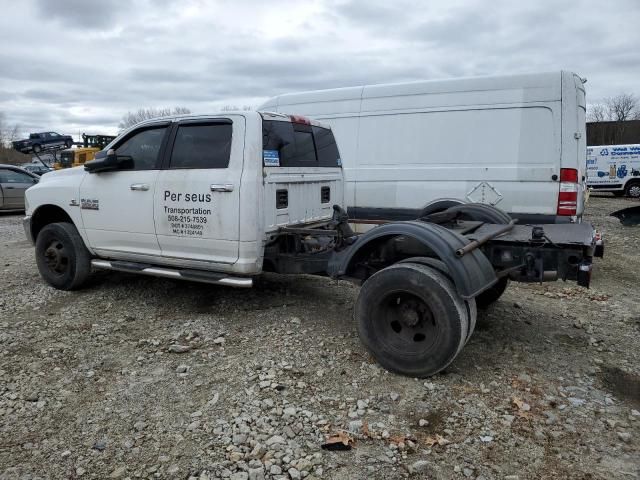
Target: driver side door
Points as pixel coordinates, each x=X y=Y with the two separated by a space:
x=117 y=206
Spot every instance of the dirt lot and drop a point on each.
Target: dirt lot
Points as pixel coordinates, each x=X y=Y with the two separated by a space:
x=91 y=385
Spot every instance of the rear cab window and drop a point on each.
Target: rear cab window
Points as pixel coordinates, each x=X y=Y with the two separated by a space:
x=290 y=144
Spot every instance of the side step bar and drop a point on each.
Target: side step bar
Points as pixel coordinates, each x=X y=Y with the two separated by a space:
x=193 y=275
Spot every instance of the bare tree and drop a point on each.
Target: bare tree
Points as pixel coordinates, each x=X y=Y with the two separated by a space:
x=622 y=107
x=7 y=135
x=236 y=108
x=597 y=113
x=132 y=118
x=613 y=115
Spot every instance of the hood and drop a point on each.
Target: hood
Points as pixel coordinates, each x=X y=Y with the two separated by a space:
x=64 y=173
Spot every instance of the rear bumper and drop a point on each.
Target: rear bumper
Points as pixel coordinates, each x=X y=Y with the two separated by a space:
x=26 y=224
x=541 y=219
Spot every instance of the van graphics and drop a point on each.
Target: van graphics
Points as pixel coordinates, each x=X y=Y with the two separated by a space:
x=612 y=165
x=271 y=158
x=184 y=220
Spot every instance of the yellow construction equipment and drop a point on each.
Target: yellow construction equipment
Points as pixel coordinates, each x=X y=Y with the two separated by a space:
x=73 y=157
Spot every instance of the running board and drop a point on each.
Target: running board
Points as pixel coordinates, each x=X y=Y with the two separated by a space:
x=193 y=275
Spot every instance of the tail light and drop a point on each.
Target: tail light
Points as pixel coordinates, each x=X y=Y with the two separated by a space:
x=568 y=195
x=300 y=119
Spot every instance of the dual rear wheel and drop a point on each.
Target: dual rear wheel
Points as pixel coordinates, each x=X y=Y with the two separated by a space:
x=412 y=320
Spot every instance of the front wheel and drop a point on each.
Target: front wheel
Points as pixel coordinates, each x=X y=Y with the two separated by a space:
x=411 y=319
x=632 y=190
x=63 y=260
x=36 y=148
x=68 y=144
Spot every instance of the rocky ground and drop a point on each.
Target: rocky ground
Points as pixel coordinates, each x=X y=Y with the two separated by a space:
x=135 y=377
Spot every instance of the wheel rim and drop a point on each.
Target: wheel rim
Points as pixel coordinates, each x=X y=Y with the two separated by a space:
x=56 y=258
x=634 y=191
x=405 y=324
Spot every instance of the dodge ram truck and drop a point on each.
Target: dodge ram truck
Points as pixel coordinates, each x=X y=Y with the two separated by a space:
x=222 y=198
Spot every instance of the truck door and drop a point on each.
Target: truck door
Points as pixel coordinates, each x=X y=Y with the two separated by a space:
x=197 y=197
x=117 y=206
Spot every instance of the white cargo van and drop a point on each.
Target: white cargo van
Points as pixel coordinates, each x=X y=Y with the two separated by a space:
x=516 y=142
x=614 y=168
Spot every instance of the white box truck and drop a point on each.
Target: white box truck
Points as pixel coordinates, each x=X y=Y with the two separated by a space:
x=614 y=168
x=516 y=142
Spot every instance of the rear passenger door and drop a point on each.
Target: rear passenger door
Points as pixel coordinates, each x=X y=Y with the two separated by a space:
x=197 y=211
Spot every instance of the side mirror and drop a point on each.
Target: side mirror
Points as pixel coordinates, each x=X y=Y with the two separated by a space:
x=111 y=160
x=108 y=161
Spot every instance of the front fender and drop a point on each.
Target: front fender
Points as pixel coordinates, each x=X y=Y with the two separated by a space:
x=471 y=274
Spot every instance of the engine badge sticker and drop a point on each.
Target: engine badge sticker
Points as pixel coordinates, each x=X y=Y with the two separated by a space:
x=271 y=158
x=90 y=204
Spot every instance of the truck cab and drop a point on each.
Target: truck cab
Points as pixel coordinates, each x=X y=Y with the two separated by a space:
x=202 y=192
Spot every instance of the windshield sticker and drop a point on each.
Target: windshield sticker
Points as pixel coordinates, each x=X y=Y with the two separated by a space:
x=271 y=158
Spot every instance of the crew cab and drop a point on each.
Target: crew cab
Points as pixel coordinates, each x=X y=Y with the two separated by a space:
x=222 y=198
x=43 y=141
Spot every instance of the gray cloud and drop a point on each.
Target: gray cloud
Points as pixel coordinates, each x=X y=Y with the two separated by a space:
x=80 y=14
x=73 y=66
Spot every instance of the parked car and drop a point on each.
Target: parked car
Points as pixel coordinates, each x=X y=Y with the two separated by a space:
x=517 y=142
x=36 y=168
x=43 y=141
x=14 y=181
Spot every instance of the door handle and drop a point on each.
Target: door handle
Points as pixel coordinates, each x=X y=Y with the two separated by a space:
x=218 y=187
x=143 y=187
x=10 y=188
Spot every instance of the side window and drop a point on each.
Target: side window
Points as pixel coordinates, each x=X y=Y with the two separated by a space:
x=11 y=176
x=53 y=134
x=202 y=146
x=326 y=147
x=143 y=147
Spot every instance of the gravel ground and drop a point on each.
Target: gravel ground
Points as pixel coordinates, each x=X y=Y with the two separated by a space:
x=136 y=377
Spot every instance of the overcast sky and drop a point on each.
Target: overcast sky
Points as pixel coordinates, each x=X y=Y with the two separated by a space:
x=80 y=65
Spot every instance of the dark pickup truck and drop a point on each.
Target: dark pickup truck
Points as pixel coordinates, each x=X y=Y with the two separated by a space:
x=43 y=141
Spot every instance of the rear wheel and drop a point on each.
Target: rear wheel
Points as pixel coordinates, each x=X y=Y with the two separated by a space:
x=63 y=260
x=36 y=148
x=440 y=266
x=632 y=190
x=411 y=319
x=492 y=294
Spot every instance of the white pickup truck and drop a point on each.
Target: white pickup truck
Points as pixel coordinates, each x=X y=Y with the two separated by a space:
x=221 y=198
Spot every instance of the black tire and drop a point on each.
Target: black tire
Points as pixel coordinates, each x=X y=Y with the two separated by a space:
x=63 y=260
x=36 y=148
x=68 y=144
x=439 y=206
x=440 y=266
x=480 y=212
x=632 y=189
x=411 y=319
x=491 y=295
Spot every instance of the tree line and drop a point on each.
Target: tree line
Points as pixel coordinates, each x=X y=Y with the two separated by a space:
x=612 y=116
